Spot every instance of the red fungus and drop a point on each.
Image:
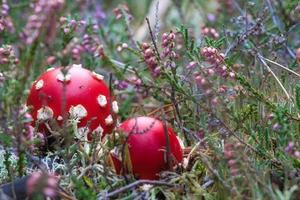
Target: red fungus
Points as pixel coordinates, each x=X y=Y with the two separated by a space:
x=78 y=94
x=145 y=152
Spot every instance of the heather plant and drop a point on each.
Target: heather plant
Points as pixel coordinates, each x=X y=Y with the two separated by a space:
x=223 y=74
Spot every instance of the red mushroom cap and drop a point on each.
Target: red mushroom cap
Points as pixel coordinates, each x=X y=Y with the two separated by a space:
x=147 y=148
x=85 y=95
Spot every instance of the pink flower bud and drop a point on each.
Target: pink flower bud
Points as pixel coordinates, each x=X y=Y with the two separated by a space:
x=215 y=101
x=124 y=45
x=171 y=36
x=51 y=60
x=234 y=172
x=211 y=71
x=191 y=65
x=164 y=36
x=119 y=48
x=231 y=74
x=148 y=53
x=145 y=46
x=231 y=162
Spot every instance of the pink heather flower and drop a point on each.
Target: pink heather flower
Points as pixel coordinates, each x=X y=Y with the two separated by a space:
x=226 y=5
x=291 y=150
x=210 y=32
x=47 y=183
x=119 y=14
x=231 y=160
x=231 y=163
x=168 y=44
x=234 y=171
x=121 y=85
x=6 y=23
x=276 y=127
x=215 y=101
x=222 y=88
x=211 y=17
x=231 y=74
x=89 y=44
x=289 y=147
x=51 y=60
x=135 y=81
x=119 y=48
x=7 y=55
x=43 y=18
x=297 y=9
x=211 y=55
x=210 y=71
x=150 y=59
x=124 y=45
x=270 y=116
x=216 y=59
x=99 y=13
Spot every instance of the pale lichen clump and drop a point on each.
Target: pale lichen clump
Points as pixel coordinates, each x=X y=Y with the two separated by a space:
x=12 y=158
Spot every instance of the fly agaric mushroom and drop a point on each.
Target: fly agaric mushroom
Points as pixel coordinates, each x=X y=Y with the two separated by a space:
x=77 y=94
x=145 y=154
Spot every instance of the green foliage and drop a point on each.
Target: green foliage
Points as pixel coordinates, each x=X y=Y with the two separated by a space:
x=83 y=189
x=233 y=115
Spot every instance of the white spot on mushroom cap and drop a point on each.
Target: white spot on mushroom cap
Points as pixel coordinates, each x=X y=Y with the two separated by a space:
x=59 y=118
x=109 y=120
x=50 y=69
x=102 y=101
x=77 y=65
x=45 y=113
x=78 y=112
x=63 y=78
x=39 y=84
x=98 y=76
x=115 y=107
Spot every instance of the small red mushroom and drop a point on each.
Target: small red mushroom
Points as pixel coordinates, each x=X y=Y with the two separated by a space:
x=78 y=94
x=145 y=150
